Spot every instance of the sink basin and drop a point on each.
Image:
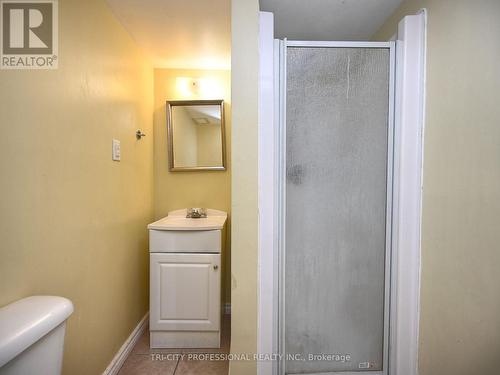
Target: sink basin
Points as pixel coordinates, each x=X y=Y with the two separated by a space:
x=176 y=220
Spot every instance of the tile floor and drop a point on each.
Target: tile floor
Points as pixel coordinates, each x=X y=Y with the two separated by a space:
x=146 y=361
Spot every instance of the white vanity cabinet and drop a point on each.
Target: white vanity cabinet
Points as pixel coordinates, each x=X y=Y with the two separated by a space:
x=186 y=292
x=185 y=281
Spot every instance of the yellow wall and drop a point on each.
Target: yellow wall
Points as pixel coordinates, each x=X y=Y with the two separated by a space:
x=244 y=87
x=209 y=144
x=176 y=190
x=73 y=222
x=186 y=134
x=460 y=299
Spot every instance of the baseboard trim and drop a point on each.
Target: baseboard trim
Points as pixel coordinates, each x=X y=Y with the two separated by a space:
x=122 y=354
x=227 y=308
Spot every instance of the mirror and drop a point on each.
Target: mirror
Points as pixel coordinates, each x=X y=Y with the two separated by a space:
x=196 y=138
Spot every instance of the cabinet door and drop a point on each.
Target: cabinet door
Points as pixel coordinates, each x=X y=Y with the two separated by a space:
x=185 y=292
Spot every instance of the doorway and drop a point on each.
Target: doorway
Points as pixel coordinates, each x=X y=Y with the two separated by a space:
x=309 y=173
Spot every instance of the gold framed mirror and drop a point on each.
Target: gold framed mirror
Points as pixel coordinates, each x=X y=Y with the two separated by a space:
x=196 y=135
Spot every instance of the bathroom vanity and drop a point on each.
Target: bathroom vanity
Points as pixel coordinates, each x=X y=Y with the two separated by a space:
x=185 y=280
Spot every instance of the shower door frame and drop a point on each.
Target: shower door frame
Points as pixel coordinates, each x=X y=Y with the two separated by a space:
x=280 y=137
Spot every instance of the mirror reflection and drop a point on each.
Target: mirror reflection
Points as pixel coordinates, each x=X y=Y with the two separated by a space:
x=196 y=135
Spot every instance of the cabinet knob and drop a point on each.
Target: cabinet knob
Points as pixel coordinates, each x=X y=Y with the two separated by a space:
x=216 y=267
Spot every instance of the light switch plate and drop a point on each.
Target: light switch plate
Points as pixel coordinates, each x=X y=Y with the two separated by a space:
x=116 y=150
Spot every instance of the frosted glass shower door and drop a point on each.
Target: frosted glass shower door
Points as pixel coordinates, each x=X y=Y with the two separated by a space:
x=336 y=183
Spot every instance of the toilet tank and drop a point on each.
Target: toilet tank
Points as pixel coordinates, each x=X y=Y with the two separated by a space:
x=32 y=335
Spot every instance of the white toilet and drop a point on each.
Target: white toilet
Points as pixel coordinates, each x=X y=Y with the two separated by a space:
x=32 y=335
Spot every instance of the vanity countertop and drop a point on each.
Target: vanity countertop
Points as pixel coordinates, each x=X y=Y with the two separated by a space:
x=176 y=220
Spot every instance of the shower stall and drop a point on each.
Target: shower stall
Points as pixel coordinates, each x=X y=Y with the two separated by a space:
x=340 y=206
x=335 y=206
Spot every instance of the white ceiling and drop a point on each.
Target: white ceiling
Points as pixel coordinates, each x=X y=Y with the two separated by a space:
x=188 y=34
x=328 y=19
x=196 y=34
